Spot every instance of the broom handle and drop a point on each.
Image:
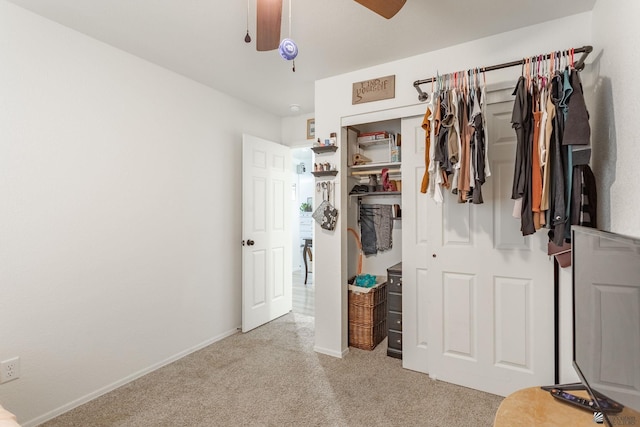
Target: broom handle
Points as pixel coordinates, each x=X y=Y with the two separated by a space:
x=355 y=234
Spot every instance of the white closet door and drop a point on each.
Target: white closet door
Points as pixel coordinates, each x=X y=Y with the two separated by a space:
x=477 y=296
x=415 y=247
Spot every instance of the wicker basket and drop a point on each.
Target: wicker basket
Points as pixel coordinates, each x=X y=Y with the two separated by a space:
x=367 y=337
x=368 y=317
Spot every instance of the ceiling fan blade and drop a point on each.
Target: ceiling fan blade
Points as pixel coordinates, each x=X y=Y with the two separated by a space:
x=269 y=16
x=386 y=8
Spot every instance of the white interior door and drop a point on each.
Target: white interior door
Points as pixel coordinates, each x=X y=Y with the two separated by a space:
x=266 y=232
x=492 y=288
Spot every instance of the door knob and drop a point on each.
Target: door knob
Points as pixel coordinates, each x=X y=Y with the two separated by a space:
x=250 y=242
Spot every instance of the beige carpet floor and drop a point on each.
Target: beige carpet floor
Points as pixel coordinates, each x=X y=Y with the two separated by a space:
x=272 y=377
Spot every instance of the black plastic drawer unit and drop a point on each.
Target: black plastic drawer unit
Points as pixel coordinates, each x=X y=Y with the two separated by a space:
x=394 y=313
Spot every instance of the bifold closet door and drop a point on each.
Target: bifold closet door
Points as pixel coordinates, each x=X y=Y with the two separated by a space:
x=479 y=295
x=415 y=247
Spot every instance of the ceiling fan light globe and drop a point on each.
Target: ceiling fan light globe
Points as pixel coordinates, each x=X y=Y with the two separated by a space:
x=288 y=49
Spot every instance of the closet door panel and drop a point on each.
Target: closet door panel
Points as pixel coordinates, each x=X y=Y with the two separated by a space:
x=507 y=230
x=416 y=222
x=460 y=302
x=502 y=149
x=458 y=221
x=513 y=323
x=420 y=222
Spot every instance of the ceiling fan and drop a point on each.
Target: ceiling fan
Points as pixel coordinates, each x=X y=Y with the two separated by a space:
x=269 y=18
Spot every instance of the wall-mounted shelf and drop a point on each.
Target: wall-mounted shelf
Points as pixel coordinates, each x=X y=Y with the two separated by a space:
x=324 y=149
x=324 y=173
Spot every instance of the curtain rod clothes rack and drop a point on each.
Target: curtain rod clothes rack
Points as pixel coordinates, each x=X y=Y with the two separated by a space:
x=579 y=65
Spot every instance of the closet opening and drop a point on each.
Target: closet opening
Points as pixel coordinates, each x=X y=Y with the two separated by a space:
x=374 y=225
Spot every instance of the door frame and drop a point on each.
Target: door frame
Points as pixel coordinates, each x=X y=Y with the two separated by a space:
x=345 y=121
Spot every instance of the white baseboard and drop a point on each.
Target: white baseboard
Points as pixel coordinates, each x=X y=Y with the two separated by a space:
x=332 y=353
x=104 y=390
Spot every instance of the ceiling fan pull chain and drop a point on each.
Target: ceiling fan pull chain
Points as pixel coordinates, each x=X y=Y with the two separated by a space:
x=247 y=38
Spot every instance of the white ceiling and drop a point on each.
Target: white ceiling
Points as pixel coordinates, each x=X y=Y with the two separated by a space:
x=204 y=39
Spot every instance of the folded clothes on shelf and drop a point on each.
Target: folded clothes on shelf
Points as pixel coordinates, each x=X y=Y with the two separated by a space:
x=359 y=189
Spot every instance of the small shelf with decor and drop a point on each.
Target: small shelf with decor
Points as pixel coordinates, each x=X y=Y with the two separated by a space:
x=324 y=173
x=319 y=149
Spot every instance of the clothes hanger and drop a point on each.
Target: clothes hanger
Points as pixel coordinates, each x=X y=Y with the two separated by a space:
x=467 y=84
x=525 y=74
x=571 y=56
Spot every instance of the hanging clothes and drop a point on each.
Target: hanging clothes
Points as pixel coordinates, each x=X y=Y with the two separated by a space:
x=426 y=125
x=551 y=122
x=483 y=112
x=464 y=177
x=536 y=171
x=558 y=158
x=521 y=120
x=376 y=227
x=368 y=230
x=585 y=201
x=548 y=119
x=479 y=149
x=455 y=121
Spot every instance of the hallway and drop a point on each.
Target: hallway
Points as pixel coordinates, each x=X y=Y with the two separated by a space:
x=303 y=295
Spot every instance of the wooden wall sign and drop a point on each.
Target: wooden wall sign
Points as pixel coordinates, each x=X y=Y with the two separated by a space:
x=374 y=90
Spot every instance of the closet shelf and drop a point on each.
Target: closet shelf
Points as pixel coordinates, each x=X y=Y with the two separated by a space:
x=377 y=193
x=374 y=172
x=370 y=166
x=324 y=148
x=375 y=165
x=324 y=173
x=374 y=142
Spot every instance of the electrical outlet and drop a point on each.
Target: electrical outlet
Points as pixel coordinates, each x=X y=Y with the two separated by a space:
x=9 y=370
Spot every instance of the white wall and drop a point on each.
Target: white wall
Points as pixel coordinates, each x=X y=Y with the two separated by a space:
x=333 y=108
x=615 y=133
x=613 y=104
x=120 y=216
x=294 y=131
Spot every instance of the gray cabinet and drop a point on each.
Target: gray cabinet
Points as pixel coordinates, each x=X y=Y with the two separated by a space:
x=394 y=311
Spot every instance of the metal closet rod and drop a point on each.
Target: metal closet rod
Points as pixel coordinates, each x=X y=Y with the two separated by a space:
x=579 y=65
